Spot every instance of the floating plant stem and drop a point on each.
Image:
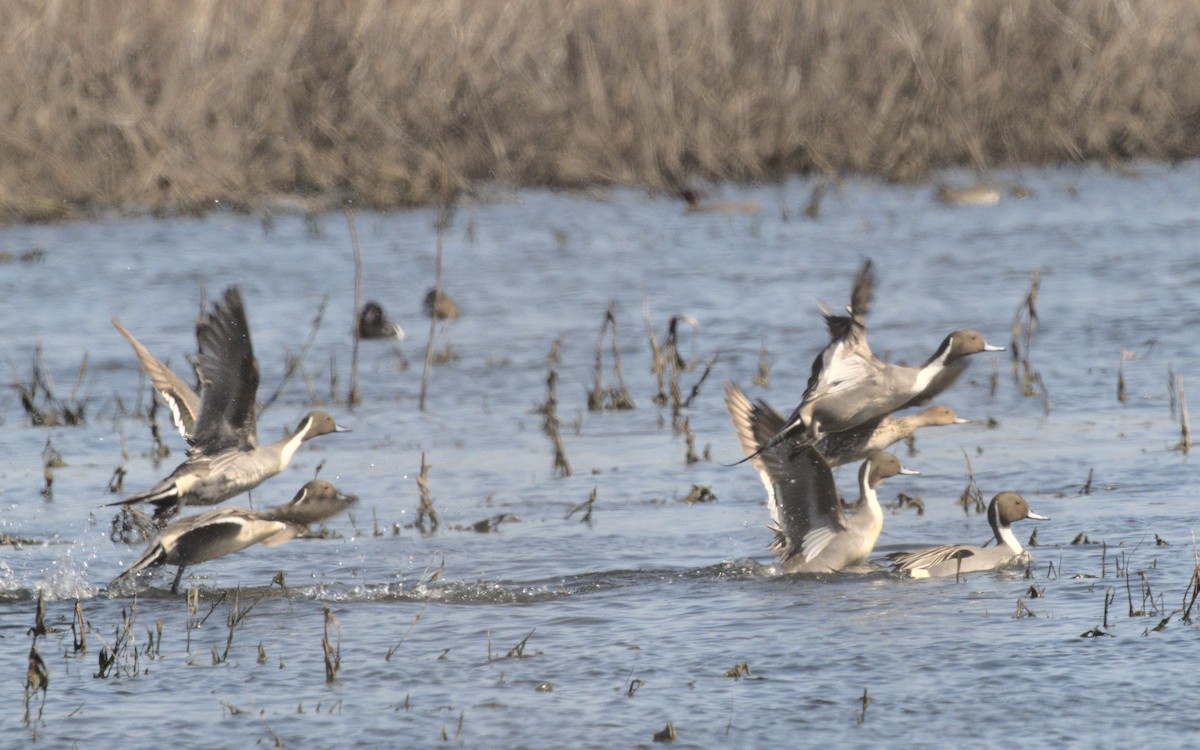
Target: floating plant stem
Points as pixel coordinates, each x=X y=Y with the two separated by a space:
x=695 y=392
x=518 y=651
x=866 y=702
x=586 y=506
x=1086 y=489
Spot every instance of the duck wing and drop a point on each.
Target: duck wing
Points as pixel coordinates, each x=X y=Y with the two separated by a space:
x=930 y=556
x=803 y=500
x=178 y=395
x=754 y=423
x=229 y=377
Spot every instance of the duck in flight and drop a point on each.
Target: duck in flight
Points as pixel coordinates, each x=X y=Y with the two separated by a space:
x=756 y=423
x=223 y=531
x=225 y=458
x=849 y=386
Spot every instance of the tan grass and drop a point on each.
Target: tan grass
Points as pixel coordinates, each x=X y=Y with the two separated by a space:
x=175 y=106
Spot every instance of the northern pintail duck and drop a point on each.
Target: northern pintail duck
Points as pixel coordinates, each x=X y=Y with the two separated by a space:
x=756 y=423
x=951 y=559
x=979 y=194
x=812 y=532
x=440 y=305
x=697 y=205
x=216 y=533
x=226 y=458
x=849 y=386
x=374 y=324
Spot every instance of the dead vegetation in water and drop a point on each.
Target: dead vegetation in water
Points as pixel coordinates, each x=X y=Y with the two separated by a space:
x=1185 y=425
x=447 y=204
x=333 y=653
x=186 y=106
x=43 y=407
x=1025 y=322
x=549 y=410
x=425 y=508
x=614 y=397
x=972 y=496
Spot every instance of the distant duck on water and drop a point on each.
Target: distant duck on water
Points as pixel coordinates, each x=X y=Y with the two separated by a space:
x=373 y=323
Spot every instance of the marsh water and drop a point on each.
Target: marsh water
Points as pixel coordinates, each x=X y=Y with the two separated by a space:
x=545 y=630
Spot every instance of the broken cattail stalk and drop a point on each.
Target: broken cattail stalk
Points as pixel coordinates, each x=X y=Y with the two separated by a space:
x=586 y=506
x=425 y=508
x=616 y=397
x=550 y=421
x=333 y=655
x=78 y=630
x=763 y=376
x=971 y=495
x=1185 y=426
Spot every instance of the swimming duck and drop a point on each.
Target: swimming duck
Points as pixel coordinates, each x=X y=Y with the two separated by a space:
x=216 y=533
x=1005 y=509
x=697 y=205
x=812 y=533
x=757 y=422
x=979 y=194
x=440 y=305
x=374 y=324
x=849 y=386
x=226 y=458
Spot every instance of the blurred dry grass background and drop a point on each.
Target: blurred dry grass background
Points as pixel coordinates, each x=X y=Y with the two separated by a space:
x=171 y=106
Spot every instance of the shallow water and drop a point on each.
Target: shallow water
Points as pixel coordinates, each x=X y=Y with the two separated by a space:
x=634 y=619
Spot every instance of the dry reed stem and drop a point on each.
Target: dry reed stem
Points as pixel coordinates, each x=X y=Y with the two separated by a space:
x=333 y=655
x=971 y=495
x=188 y=105
x=550 y=420
x=79 y=630
x=352 y=396
x=446 y=197
x=425 y=508
x=1185 y=426
x=763 y=376
x=615 y=397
